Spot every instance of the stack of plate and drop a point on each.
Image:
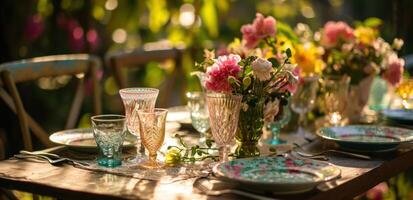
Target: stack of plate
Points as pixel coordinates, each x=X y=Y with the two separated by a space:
x=367 y=138
x=278 y=175
x=398 y=117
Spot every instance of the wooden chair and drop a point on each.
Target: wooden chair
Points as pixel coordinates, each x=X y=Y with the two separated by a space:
x=139 y=58
x=80 y=65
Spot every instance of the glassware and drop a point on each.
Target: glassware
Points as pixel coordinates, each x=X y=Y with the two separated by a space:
x=275 y=127
x=135 y=99
x=303 y=100
x=109 y=132
x=335 y=91
x=199 y=114
x=405 y=90
x=223 y=114
x=152 y=131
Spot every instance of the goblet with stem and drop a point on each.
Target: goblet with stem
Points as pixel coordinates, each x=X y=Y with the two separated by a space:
x=135 y=99
x=224 y=115
x=303 y=100
x=282 y=119
x=152 y=131
x=199 y=114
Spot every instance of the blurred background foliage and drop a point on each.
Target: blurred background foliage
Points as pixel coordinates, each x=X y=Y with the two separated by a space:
x=45 y=27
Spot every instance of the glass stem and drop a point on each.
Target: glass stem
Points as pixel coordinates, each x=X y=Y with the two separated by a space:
x=301 y=123
x=152 y=157
x=223 y=153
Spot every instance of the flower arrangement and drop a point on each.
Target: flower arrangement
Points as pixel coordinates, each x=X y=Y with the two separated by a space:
x=360 y=52
x=257 y=69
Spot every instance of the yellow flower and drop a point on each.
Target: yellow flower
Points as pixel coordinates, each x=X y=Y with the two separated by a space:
x=365 y=35
x=172 y=157
x=308 y=59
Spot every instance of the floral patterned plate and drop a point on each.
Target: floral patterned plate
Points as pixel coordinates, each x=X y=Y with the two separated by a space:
x=403 y=116
x=279 y=175
x=366 y=138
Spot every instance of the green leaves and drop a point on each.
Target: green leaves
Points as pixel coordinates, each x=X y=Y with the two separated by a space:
x=288 y=52
x=373 y=22
x=158 y=14
x=286 y=30
x=210 y=18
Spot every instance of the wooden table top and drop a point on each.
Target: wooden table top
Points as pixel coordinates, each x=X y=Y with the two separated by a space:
x=68 y=182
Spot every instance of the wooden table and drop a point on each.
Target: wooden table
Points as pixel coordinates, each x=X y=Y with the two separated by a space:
x=68 y=182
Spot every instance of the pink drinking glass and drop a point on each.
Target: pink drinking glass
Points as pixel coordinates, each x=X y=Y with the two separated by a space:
x=135 y=99
x=223 y=114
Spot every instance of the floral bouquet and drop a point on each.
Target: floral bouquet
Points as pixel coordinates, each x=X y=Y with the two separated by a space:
x=257 y=69
x=361 y=54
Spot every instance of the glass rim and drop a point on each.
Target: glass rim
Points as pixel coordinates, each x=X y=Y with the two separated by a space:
x=154 y=111
x=139 y=90
x=101 y=118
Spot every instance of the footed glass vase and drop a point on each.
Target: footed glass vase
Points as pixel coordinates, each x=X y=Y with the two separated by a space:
x=249 y=131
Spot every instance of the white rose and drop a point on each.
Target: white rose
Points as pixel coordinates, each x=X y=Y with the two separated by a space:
x=271 y=110
x=262 y=69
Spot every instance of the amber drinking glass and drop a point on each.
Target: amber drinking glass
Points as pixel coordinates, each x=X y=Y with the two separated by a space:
x=135 y=99
x=152 y=131
x=224 y=115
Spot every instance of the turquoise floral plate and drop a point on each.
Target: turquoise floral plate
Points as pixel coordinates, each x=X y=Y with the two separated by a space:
x=404 y=116
x=366 y=138
x=279 y=175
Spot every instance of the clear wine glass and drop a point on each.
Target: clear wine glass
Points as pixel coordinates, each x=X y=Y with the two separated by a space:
x=224 y=115
x=303 y=100
x=199 y=114
x=335 y=90
x=135 y=99
x=275 y=126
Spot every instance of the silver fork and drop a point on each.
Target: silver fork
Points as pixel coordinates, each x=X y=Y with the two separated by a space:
x=305 y=154
x=48 y=156
x=207 y=191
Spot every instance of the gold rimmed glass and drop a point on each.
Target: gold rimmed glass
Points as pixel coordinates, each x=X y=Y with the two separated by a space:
x=152 y=132
x=135 y=99
x=224 y=115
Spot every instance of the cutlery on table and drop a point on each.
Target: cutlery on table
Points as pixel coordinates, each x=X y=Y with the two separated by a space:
x=53 y=159
x=302 y=153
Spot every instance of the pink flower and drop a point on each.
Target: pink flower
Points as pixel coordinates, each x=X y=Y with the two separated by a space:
x=394 y=72
x=260 y=28
x=218 y=73
x=377 y=192
x=333 y=32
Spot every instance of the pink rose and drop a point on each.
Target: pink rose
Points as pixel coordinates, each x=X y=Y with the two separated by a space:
x=394 y=72
x=333 y=32
x=218 y=73
x=259 y=29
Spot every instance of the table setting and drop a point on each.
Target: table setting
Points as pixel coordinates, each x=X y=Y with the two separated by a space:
x=231 y=134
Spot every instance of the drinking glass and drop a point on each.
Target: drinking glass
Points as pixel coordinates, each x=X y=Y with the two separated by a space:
x=109 y=132
x=335 y=91
x=135 y=99
x=303 y=100
x=152 y=131
x=223 y=114
x=275 y=126
x=199 y=114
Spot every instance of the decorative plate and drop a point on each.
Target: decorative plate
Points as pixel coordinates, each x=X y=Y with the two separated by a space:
x=404 y=116
x=82 y=139
x=367 y=138
x=279 y=175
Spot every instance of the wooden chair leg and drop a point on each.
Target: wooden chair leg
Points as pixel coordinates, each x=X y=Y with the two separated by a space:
x=21 y=113
x=76 y=105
